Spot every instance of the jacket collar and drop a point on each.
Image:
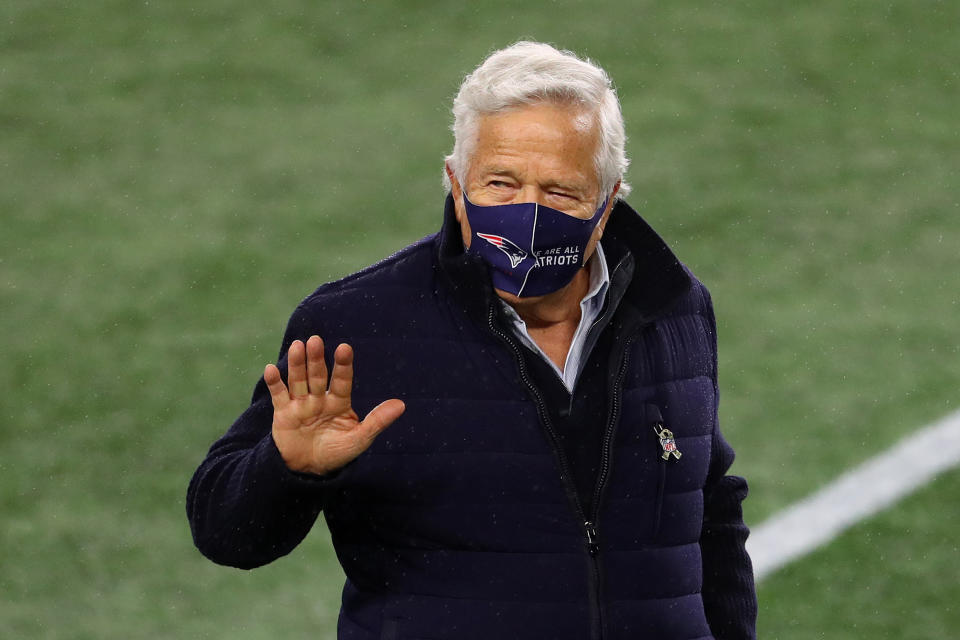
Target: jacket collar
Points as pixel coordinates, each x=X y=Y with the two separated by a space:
x=659 y=279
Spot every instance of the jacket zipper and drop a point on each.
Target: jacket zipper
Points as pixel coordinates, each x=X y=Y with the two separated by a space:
x=591 y=534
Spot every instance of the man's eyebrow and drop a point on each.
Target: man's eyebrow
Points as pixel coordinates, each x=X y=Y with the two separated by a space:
x=497 y=171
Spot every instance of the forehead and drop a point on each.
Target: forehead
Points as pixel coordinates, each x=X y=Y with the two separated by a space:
x=539 y=141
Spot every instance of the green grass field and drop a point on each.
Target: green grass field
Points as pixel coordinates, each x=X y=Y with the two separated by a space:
x=175 y=177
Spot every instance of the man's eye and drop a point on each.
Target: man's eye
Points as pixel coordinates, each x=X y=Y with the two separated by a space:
x=498 y=183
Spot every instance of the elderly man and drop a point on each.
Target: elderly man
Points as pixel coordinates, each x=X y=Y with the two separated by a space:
x=540 y=455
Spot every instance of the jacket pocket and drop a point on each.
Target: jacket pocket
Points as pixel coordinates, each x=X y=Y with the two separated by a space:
x=655 y=422
x=658 y=503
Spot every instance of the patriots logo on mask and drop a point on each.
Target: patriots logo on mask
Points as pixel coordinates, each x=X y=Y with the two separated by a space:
x=515 y=253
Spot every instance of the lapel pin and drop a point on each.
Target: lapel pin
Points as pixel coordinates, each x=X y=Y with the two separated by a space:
x=667 y=442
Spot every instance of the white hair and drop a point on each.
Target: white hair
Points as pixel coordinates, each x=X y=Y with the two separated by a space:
x=529 y=73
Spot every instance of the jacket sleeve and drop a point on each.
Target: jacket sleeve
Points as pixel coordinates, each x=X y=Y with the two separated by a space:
x=729 y=593
x=729 y=596
x=245 y=506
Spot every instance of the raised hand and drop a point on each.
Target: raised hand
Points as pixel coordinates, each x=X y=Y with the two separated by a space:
x=315 y=428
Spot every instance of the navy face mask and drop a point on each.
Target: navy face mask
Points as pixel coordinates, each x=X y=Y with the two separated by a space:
x=530 y=249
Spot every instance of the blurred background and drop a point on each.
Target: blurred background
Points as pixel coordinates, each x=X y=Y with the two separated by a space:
x=176 y=176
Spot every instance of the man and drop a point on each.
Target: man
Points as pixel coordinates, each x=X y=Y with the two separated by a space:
x=539 y=455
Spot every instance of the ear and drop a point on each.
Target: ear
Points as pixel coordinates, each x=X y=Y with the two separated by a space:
x=456 y=191
x=611 y=200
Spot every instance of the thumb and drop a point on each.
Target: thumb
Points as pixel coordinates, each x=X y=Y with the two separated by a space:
x=382 y=416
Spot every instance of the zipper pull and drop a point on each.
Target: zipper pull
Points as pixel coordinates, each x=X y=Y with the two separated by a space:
x=593 y=546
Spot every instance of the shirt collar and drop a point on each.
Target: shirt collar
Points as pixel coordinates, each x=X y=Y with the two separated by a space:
x=599 y=280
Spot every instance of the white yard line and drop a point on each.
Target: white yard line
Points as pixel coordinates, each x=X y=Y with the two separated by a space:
x=861 y=492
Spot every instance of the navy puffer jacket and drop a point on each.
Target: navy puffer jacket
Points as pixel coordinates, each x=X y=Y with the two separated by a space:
x=462 y=521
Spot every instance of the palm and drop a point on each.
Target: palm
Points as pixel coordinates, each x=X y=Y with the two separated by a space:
x=314 y=426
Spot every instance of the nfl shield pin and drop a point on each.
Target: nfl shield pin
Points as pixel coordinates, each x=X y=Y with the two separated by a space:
x=667 y=442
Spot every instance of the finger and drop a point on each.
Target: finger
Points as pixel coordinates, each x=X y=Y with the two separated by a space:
x=297 y=369
x=316 y=366
x=278 y=391
x=341 y=381
x=381 y=417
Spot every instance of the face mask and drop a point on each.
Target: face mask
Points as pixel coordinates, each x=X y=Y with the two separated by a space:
x=530 y=249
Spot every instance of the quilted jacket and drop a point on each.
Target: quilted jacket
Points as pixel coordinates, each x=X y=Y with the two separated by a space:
x=462 y=520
